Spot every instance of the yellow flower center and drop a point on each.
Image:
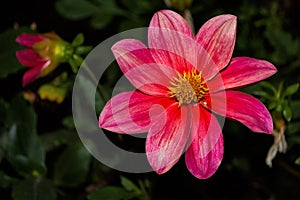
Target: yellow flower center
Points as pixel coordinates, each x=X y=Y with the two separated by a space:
x=188 y=88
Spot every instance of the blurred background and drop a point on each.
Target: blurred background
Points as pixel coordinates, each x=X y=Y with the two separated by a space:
x=41 y=156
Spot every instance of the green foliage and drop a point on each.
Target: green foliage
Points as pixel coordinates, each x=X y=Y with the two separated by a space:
x=20 y=143
x=278 y=99
x=34 y=189
x=297 y=161
x=128 y=191
x=102 y=12
x=75 y=10
x=72 y=166
x=56 y=139
x=293 y=128
x=5 y=180
x=78 y=50
x=78 y=40
x=110 y=193
x=285 y=47
x=41 y=156
x=290 y=90
x=130 y=186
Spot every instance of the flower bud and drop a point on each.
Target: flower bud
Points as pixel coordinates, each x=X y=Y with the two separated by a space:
x=44 y=53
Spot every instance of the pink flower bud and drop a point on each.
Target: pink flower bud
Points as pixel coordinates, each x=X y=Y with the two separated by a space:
x=44 y=53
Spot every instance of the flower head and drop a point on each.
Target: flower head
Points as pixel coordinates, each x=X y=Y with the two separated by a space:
x=43 y=55
x=182 y=82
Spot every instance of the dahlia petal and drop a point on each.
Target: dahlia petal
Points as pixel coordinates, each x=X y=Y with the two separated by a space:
x=131 y=112
x=173 y=61
x=205 y=167
x=29 y=58
x=128 y=45
x=243 y=108
x=137 y=64
x=167 y=19
x=205 y=152
x=168 y=31
x=33 y=73
x=217 y=36
x=167 y=138
x=29 y=40
x=243 y=71
x=205 y=64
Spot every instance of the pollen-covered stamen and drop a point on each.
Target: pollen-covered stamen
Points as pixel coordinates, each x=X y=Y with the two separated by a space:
x=188 y=88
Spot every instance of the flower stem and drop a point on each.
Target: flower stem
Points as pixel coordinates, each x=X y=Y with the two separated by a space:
x=92 y=76
x=144 y=190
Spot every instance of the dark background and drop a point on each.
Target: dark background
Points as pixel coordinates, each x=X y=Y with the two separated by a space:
x=243 y=173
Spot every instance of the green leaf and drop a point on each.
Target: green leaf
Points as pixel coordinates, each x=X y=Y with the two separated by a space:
x=75 y=62
x=4 y=109
x=34 y=189
x=130 y=186
x=101 y=12
x=83 y=50
x=27 y=167
x=68 y=122
x=293 y=141
x=295 y=105
x=287 y=113
x=77 y=59
x=272 y=105
x=57 y=138
x=72 y=166
x=293 y=128
x=78 y=40
x=111 y=7
x=284 y=45
x=297 y=161
x=290 y=90
x=110 y=193
x=73 y=65
x=75 y=9
x=268 y=85
x=279 y=108
x=5 y=180
x=100 y=20
x=8 y=48
x=21 y=140
x=1 y=153
x=263 y=94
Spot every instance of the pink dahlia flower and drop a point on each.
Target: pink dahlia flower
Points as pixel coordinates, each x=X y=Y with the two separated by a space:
x=43 y=55
x=182 y=82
